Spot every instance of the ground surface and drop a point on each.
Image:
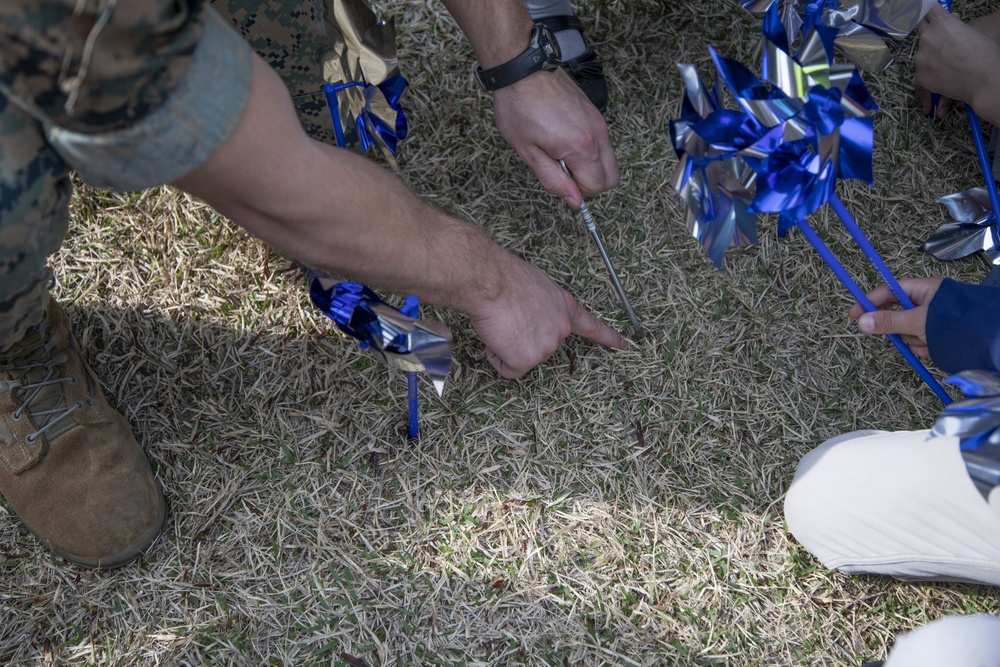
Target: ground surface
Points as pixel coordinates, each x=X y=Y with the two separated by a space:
x=609 y=509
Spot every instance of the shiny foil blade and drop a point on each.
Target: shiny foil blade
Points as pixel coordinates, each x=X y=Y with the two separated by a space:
x=972 y=205
x=410 y=346
x=893 y=19
x=973 y=230
x=975 y=421
x=956 y=240
x=364 y=50
x=862 y=25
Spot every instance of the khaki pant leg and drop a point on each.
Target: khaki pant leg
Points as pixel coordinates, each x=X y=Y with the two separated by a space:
x=896 y=504
x=34 y=215
x=954 y=641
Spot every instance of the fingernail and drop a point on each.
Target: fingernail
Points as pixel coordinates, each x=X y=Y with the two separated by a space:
x=867 y=323
x=569 y=201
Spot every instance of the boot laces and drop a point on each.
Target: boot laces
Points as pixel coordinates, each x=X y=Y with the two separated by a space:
x=35 y=385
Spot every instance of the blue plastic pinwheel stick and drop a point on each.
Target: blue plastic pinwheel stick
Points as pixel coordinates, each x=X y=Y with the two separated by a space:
x=411 y=308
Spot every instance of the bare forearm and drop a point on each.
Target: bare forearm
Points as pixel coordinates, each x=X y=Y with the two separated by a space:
x=987 y=96
x=335 y=211
x=986 y=103
x=338 y=212
x=497 y=29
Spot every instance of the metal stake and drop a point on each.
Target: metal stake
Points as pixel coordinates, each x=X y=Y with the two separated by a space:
x=588 y=220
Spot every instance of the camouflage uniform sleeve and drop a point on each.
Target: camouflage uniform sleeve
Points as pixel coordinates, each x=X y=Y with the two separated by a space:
x=130 y=93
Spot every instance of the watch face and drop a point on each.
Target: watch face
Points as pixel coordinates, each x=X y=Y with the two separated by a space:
x=549 y=45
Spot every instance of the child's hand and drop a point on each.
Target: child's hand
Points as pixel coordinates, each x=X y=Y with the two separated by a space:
x=911 y=324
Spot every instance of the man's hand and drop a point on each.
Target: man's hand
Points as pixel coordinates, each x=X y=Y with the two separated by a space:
x=527 y=321
x=957 y=61
x=545 y=117
x=910 y=324
x=338 y=212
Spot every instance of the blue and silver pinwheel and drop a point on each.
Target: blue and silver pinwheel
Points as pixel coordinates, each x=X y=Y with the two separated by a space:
x=783 y=152
x=809 y=128
x=402 y=341
x=801 y=127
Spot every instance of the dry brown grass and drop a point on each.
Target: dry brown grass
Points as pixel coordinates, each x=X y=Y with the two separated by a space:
x=609 y=509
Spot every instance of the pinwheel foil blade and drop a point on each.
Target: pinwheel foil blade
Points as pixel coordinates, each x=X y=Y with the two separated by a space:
x=863 y=48
x=404 y=342
x=975 y=421
x=956 y=240
x=894 y=19
x=974 y=228
x=408 y=345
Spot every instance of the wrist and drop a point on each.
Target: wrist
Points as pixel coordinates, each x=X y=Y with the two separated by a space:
x=466 y=268
x=542 y=53
x=985 y=100
x=510 y=41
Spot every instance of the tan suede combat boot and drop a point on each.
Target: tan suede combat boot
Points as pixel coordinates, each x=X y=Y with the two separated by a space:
x=69 y=464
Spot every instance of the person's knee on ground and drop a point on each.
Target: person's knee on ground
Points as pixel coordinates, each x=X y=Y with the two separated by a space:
x=955 y=641
x=895 y=504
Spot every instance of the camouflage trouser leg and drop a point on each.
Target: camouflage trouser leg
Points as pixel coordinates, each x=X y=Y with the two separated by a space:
x=291 y=37
x=34 y=214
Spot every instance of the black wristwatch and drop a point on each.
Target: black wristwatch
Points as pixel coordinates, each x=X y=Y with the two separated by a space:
x=542 y=53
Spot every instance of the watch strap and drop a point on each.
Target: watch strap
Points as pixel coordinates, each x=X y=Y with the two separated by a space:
x=540 y=54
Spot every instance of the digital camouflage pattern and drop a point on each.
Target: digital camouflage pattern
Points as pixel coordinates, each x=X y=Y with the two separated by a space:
x=94 y=66
x=76 y=64
x=291 y=36
x=34 y=215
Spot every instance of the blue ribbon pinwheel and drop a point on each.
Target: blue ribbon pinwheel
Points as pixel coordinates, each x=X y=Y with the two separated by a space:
x=809 y=125
x=402 y=341
x=395 y=334
x=976 y=422
x=363 y=83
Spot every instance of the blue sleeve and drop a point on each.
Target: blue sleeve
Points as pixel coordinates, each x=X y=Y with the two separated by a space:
x=963 y=327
